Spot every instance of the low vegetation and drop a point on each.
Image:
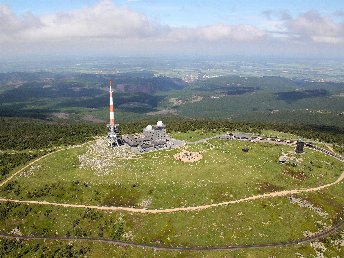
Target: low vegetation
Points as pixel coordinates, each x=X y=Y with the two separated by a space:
x=224 y=173
x=156 y=181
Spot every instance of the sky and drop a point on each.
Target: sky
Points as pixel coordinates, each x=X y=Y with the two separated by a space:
x=274 y=28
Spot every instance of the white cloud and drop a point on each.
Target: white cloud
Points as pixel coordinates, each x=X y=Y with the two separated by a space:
x=223 y=32
x=108 y=27
x=106 y=20
x=216 y=33
x=319 y=29
x=12 y=25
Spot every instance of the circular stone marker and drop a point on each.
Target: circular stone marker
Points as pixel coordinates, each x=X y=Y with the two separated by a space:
x=187 y=156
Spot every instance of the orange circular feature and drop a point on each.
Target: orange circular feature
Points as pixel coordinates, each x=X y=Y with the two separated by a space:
x=187 y=156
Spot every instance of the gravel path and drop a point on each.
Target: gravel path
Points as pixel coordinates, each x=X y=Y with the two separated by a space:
x=40 y=158
x=171 y=210
x=25 y=167
x=156 y=211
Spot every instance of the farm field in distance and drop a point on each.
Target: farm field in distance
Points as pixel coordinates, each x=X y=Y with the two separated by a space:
x=156 y=180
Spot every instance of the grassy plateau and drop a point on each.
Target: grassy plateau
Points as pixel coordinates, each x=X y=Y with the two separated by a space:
x=156 y=180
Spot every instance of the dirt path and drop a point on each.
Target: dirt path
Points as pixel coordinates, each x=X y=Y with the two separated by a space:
x=171 y=210
x=38 y=159
x=157 y=211
x=25 y=167
x=330 y=148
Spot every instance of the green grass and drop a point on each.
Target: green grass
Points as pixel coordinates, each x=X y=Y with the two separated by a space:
x=256 y=222
x=76 y=249
x=281 y=135
x=225 y=173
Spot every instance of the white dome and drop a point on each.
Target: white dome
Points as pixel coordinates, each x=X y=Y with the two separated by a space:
x=159 y=123
x=149 y=128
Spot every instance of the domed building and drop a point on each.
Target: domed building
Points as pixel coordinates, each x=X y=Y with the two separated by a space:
x=153 y=137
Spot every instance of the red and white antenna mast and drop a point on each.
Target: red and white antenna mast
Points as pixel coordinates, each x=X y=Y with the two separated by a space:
x=112 y=110
x=114 y=136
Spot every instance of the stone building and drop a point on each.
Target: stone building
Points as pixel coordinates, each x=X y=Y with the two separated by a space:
x=153 y=137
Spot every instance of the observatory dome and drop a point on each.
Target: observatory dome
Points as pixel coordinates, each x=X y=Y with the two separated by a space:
x=149 y=128
x=160 y=124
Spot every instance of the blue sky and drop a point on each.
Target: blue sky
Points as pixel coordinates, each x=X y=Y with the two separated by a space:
x=135 y=27
x=187 y=12
x=193 y=12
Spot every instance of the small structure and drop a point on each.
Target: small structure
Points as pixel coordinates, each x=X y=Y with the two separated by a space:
x=299 y=146
x=132 y=140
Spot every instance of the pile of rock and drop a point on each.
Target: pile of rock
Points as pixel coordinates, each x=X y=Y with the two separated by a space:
x=306 y=204
x=289 y=158
x=187 y=156
x=101 y=158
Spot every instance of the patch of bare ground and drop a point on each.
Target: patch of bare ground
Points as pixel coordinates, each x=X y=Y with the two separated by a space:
x=299 y=175
x=102 y=159
x=176 y=101
x=92 y=119
x=307 y=204
x=60 y=115
x=163 y=112
x=196 y=98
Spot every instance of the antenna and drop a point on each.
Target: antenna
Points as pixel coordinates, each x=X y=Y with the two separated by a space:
x=114 y=137
x=111 y=108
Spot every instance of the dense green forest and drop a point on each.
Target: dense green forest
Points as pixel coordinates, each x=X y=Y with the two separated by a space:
x=138 y=95
x=23 y=134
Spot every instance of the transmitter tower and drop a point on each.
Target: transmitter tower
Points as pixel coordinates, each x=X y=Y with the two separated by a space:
x=114 y=137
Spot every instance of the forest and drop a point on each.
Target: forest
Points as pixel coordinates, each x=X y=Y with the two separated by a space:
x=23 y=133
x=139 y=95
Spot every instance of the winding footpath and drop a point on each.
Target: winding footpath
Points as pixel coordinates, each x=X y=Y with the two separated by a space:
x=2 y=183
x=158 y=211
x=180 y=209
x=25 y=167
x=316 y=236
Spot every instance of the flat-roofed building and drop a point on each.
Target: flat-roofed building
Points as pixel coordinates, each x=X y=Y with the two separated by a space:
x=153 y=137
